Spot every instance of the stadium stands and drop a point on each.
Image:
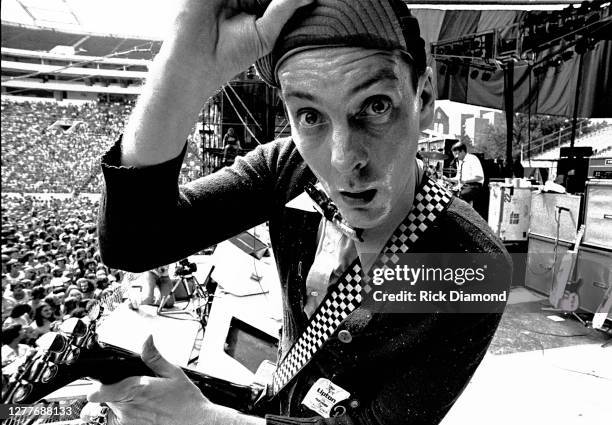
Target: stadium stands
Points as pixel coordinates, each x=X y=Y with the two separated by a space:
x=600 y=140
x=55 y=148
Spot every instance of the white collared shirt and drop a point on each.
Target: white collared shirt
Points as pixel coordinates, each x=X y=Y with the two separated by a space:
x=470 y=168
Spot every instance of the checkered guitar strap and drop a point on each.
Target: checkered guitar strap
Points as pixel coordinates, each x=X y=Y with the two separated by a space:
x=431 y=200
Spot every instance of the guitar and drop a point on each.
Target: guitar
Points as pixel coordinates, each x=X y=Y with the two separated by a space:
x=74 y=352
x=564 y=293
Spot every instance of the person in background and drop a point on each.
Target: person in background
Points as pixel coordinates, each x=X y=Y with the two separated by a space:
x=231 y=147
x=12 y=348
x=15 y=272
x=470 y=176
x=21 y=314
x=38 y=294
x=156 y=285
x=18 y=293
x=44 y=320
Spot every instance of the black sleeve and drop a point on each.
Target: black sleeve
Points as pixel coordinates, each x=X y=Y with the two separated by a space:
x=147 y=220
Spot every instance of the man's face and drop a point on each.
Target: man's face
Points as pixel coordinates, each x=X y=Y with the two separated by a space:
x=18 y=292
x=459 y=154
x=355 y=118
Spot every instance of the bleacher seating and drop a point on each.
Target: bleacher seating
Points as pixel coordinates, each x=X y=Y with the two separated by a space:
x=40 y=157
x=600 y=140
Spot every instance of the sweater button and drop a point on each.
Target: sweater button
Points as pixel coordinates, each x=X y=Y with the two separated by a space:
x=345 y=336
x=354 y=404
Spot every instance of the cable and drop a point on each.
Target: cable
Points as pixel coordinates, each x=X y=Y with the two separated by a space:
x=543 y=351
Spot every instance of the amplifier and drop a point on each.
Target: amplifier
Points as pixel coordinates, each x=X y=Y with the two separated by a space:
x=600 y=168
x=509 y=210
x=594 y=269
x=574 y=171
x=542 y=262
x=545 y=208
x=576 y=152
x=598 y=214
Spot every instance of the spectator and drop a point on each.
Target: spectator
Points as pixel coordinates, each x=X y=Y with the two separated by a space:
x=38 y=294
x=70 y=305
x=21 y=314
x=12 y=349
x=18 y=293
x=15 y=274
x=44 y=320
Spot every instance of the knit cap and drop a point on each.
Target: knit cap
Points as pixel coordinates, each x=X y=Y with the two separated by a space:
x=372 y=24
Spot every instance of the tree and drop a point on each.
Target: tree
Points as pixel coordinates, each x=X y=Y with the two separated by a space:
x=494 y=144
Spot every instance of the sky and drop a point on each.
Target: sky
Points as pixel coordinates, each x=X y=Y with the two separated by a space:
x=146 y=18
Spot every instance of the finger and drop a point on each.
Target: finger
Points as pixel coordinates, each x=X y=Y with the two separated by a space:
x=153 y=359
x=274 y=19
x=121 y=391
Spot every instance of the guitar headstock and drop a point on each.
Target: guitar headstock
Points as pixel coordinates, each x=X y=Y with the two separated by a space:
x=74 y=352
x=59 y=358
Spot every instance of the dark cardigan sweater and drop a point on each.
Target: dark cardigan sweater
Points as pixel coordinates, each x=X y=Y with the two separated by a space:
x=399 y=368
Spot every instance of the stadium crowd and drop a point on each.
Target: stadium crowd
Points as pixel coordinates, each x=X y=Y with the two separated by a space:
x=51 y=267
x=55 y=148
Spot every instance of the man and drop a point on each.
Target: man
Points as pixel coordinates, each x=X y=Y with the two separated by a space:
x=156 y=286
x=231 y=147
x=12 y=349
x=15 y=272
x=470 y=176
x=357 y=91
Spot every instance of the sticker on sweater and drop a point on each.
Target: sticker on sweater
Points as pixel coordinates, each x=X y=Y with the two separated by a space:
x=323 y=396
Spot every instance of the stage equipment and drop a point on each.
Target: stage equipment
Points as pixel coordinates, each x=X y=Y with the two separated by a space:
x=555 y=212
x=509 y=211
x=544 y=256
x=564 y=292
x=435 y=156
x=592 y=280
x=187 y=287
x=250 y=244
x=573 y=165
x=250 y=346
x=600 y=168
x=598 y=214
x=594 y=270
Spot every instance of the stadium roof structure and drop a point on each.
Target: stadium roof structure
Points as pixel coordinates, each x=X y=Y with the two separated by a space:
x=44 y=39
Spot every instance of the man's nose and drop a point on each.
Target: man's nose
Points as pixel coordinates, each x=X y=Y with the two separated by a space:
x=347 y=152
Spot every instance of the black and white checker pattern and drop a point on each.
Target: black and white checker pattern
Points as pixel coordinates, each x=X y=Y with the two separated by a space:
x=430 y=201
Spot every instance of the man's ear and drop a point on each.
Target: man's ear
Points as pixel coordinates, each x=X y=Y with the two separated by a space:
x=426 y=99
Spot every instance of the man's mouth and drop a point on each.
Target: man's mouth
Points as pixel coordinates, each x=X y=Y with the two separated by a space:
x=358 y=198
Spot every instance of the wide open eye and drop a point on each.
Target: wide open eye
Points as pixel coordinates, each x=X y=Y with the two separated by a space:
x=309 y=118
x=376 y=106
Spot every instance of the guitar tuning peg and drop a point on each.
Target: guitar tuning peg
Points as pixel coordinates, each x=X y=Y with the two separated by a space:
x=52 y=342
x=49 y=372
x=91 y=342
x=74 y=327
x=22 y=391
x=72 y=355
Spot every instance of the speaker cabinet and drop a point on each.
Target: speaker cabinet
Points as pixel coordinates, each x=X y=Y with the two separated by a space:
x=598 y=214
x=594 y=269
x=543 y=262
x=544 y=209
